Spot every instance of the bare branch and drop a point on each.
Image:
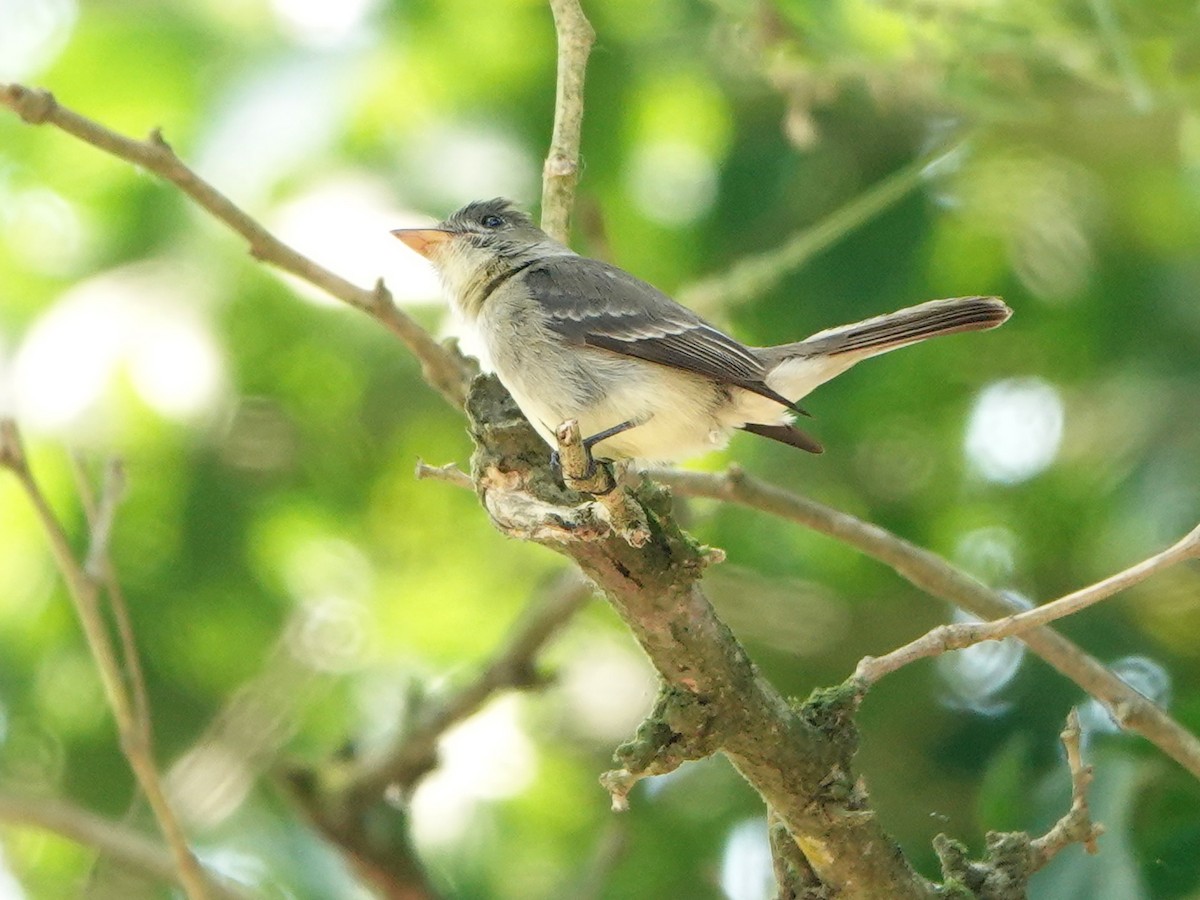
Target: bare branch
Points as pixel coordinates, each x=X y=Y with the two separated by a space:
x=945 y=638
x=1076 y=826
x=449 y=473
x=752 y=276
x=106 y=836
x=445 y=371
x=561 y=172
x=934 y=575
x=84 y=590
x=99 y=514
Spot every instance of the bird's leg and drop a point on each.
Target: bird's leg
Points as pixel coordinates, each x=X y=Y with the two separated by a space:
x=590 y=442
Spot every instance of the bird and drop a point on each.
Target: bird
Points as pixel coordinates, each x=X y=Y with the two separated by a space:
x=646 y=378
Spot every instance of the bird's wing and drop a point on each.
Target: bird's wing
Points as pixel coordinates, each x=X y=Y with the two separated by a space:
x=592 y=303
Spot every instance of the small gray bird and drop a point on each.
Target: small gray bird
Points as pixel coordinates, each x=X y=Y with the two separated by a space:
x=576 y=338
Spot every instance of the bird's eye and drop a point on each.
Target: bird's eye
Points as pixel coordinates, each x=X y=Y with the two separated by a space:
x=491 y=221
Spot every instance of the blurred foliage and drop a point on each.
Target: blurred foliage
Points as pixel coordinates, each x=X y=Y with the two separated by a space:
x=275 y=546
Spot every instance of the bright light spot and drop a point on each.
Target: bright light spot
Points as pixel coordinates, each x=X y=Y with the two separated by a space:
x=1144 y=675
x=7 y=400
x=324 y=566
x=457 y=164
x=176 y=368
x=322 y=23
x=42 y=228
x=66 y=360
x=487 y=757
x=275 y=121
x=1015 y=430
x=209 y=783
x=606 y=688
x=976 y=675
x=142 y=315
x=345 y=223
x=331 y=634
x=238 y=866
x=68 y=692
x=34 y=33
x=990 y=554
x=10 y=888
x=746 y=868
x=672 y=183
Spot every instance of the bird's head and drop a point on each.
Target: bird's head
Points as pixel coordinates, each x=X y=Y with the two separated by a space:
x=479 y=243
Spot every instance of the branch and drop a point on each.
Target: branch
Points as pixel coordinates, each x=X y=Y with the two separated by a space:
x=932 y=574
x=1076 y=826
x=84 y=589
x=513 y=667
x=1013 y=856
x=98 y=565
x=752 y=276
x=712 y=697
x=945 y=638
x=353 y=803
x=109 y=838
x=445 y=371
x=561 y=171
x=793 y=874
x=449 y=473
x=583 y=474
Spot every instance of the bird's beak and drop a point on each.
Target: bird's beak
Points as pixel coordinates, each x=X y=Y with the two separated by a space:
x=424 y=240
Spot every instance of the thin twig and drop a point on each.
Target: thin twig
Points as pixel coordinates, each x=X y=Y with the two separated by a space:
x=449 y=472
x=106 y=836
x=958 y=636
x=1011 y=857
x=84 y=590
x=99 y=513
x=442 y=369
x=1076 y=826
x=932 y=574
x=752 y=276
x=561 y=171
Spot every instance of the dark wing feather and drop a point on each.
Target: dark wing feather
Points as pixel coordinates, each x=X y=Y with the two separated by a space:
x=592 y=303
x=786 y=434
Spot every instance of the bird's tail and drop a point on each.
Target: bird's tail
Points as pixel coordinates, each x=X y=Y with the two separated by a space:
x=906 y=326
x=795 y=369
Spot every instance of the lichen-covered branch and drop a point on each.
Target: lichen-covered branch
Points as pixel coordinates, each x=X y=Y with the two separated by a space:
x=443 y=369
x=1011 y=857
x=713 y=698
x=561 y=171
x=1132 y=710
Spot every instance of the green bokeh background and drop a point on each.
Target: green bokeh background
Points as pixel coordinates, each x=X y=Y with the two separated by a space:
x=274 y=544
